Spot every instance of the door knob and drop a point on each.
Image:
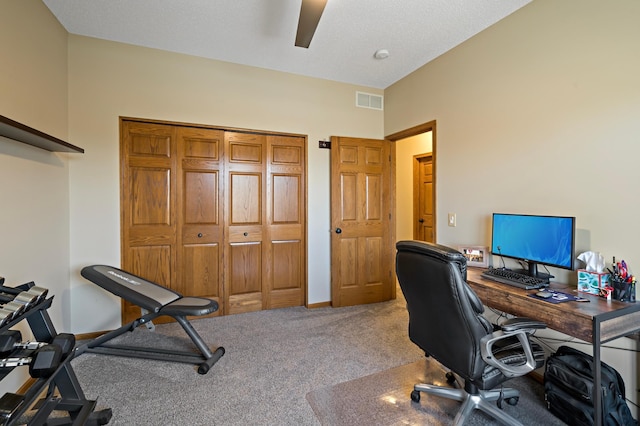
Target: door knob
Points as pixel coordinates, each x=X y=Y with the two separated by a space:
x=338 y=231
x=421 y=220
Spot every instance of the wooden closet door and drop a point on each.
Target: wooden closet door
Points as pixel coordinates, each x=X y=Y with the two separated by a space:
x=200 y=230
x=214 y=213
x=148 y=212
x=245 y=217
x=286 y=249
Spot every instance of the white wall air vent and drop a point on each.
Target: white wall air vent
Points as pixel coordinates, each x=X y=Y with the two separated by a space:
x=368 y=100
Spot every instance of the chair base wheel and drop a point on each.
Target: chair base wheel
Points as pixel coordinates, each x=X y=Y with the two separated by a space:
x=415 y=396
x=513 y=401
x=451 y=378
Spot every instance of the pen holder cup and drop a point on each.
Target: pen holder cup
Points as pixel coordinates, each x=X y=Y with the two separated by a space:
x=623 y=291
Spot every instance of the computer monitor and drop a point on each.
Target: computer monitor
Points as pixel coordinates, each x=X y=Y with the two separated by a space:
x=544 y=240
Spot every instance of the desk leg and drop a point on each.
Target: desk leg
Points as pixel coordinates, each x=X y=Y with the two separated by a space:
x=597 y=393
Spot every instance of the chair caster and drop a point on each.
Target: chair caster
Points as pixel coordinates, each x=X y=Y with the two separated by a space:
x=512 y=401
x=451 y=378
x=415 y=396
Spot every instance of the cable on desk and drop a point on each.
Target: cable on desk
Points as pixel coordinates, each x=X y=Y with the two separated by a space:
x=500 y=314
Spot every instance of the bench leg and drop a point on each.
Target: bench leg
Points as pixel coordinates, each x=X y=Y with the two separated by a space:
x=210 y=357
x=150 y=325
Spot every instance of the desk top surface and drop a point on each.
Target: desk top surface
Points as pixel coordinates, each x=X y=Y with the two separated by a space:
x=576 y=319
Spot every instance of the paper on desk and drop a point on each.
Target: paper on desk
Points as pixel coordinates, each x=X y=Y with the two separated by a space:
x=594 y=261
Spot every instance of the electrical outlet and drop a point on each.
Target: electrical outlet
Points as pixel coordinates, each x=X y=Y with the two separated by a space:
x=452 y=219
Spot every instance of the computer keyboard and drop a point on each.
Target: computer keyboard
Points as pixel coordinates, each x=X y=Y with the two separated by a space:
x=515 y=279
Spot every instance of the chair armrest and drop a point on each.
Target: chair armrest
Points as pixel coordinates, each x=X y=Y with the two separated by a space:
x=486 y=350
x=521 y=323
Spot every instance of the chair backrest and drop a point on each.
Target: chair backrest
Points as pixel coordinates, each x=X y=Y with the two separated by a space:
x=445 y=315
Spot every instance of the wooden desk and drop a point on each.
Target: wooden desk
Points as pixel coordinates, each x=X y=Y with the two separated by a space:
x=597 y=321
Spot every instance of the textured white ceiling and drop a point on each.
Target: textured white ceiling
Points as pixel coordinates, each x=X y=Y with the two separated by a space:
x=261 y=33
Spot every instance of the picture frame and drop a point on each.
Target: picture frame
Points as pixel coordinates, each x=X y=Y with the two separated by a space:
x=477 y=256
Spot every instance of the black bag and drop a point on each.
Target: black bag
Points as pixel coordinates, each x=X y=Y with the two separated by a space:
x=568 y=385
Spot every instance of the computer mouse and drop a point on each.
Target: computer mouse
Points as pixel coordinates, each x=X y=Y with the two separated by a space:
x=544 y=294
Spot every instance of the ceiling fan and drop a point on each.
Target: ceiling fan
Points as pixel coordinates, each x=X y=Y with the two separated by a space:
x=310 y=13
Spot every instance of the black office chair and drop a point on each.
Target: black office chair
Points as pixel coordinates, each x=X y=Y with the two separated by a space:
x=445 y=320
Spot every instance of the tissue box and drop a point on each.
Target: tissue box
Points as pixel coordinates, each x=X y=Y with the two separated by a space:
x=592 y=282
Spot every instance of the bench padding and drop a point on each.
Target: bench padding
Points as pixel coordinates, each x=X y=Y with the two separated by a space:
x=196 y=306
x=155 y=300
x=147 y=295
x=136 y=290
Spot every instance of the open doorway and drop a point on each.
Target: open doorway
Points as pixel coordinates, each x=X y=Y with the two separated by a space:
x=415 y=194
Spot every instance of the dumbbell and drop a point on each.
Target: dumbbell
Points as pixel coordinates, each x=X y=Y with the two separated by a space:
x=32 y=296
x=46 y=359
x=17 y=301
x=9 y=311
x=11 y=340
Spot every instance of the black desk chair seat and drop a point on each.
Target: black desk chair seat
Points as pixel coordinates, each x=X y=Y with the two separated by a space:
x=445 y=320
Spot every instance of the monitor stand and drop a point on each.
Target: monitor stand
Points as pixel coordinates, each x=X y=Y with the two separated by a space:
x=533 y=272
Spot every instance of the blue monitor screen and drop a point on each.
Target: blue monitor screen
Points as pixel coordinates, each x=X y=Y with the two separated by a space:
x=547 y=240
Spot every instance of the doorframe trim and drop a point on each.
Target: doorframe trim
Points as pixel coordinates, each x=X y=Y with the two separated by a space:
x=429 y=126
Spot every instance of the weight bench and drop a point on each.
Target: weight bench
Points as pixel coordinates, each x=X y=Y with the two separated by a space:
x=155 y=301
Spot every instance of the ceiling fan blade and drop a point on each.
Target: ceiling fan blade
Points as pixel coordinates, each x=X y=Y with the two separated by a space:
x=310 y=13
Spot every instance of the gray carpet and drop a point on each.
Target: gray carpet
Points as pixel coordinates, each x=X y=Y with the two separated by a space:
x=277 y=365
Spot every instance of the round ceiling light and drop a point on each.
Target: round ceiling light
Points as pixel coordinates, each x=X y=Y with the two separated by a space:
x=381 y=54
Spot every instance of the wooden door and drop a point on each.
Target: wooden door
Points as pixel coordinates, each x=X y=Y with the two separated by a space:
x=148 y=213
x=245 y=217
x=286 y=232
x=214 y=213
x=423 y=202
x=361 y=216
x=200 y=227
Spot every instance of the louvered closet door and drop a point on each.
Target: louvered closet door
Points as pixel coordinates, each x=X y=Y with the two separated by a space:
x=200 y=218
x=148 y=186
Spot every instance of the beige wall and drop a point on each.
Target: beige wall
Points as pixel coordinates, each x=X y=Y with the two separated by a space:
x=108 y=80
x=541 y=111
x=34 y=198
x=34 y=218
